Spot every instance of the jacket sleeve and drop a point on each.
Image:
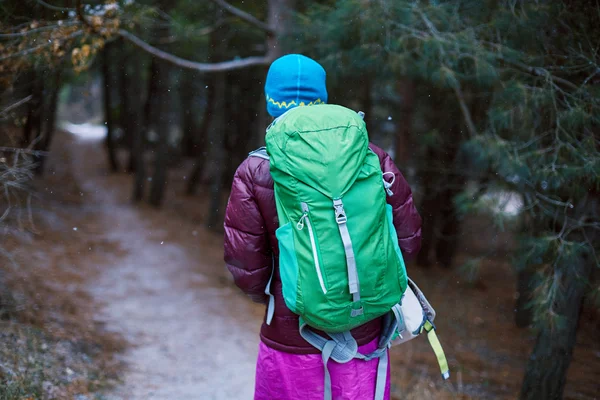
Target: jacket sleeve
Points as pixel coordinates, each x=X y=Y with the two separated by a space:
x=247 y=250
x=407 y=220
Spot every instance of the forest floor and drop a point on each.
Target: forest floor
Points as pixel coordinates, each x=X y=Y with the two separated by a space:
x=152 y=294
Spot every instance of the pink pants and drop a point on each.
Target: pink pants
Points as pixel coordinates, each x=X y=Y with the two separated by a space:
x=285 y=376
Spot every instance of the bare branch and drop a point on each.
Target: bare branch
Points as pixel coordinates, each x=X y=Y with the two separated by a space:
x=54 y=8
x=245 y=16
x=15 y=105
x=541 y=72
x=36 y=153
x=201 y=67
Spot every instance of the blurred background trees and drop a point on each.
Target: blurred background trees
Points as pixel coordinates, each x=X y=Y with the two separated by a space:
x=490 y=108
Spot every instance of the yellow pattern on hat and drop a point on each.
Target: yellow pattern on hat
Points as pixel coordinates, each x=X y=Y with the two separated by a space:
x=283 y=104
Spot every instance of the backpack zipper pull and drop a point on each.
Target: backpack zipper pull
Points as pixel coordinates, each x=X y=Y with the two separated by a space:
x=300 y=224
x=387 y=185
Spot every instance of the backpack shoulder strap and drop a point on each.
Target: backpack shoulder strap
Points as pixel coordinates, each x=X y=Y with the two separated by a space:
x=261 y=152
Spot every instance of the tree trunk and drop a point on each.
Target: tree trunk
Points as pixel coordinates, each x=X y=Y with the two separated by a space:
x=442 y=180
x=160 y=93
x=108 y=114
x=449 y=224
x=546 y=372
x=429 y=212
x=188 y=115
x=137 y=131
x=367 y=100
x=152 y=104
x=278 y=18
x=33 y=126
x=447 y=243
x=32 y=108
x=402 y=151
x=46 y=138
x=218 y=153
x=161 y=153
x=128 y=102
x=200 y=163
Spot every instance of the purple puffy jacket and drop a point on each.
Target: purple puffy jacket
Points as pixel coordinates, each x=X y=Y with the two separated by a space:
x=251 y=245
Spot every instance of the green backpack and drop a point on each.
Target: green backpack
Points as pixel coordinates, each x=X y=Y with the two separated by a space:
x=339 y=259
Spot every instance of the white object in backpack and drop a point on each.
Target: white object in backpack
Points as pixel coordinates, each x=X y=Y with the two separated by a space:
x=416 y=316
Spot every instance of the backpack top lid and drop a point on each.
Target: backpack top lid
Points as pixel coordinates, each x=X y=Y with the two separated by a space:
x=323 y=146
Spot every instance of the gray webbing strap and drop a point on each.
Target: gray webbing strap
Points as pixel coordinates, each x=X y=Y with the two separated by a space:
x=382 y=367
x=260 y=153
x=342 y=348
x=353 y=282
x=397 y=311
x=271 y=307
x=325 y=355
x=345 y=347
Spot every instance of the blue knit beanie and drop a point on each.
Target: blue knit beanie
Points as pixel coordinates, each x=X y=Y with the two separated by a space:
x=294 y=80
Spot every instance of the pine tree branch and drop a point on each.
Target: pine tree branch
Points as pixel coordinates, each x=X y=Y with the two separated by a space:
x=197 y=66
x=465 y=111
x=36 y=48
x=245 y=16
x=541 y=72
x=37 y=30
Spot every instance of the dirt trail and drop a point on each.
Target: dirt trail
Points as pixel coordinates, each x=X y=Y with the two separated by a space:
x=191 y=337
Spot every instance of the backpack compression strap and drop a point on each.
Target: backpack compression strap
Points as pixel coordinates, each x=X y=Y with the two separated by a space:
x=353 y=282
x=262 y=153
x=342 y=348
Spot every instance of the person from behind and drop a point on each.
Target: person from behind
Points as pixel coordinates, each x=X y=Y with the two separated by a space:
x=332 y=246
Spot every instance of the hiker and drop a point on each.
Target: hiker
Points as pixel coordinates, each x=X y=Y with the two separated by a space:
x=288 y=366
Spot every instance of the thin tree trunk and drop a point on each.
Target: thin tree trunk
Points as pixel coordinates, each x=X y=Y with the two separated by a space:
x=128 y=102
x=138 y=134
x=33 y=127
x=108 y=115
x=153 y=96
x=429 y=210
x=279 y=19
x=235 y=129
x=160 y=87
x=32 y=108
x=447 y=243
x=367 y=100
x=218 y=151
x=402 y=152
x=200 y=163
x=449 y=231
x=161 y=160
x=48 y=133
x=216 y=134
x=188 y=115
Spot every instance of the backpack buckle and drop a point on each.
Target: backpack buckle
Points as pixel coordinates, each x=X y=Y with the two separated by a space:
x=340 y=214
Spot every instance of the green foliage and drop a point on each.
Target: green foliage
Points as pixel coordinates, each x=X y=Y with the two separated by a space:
x=527 y=76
